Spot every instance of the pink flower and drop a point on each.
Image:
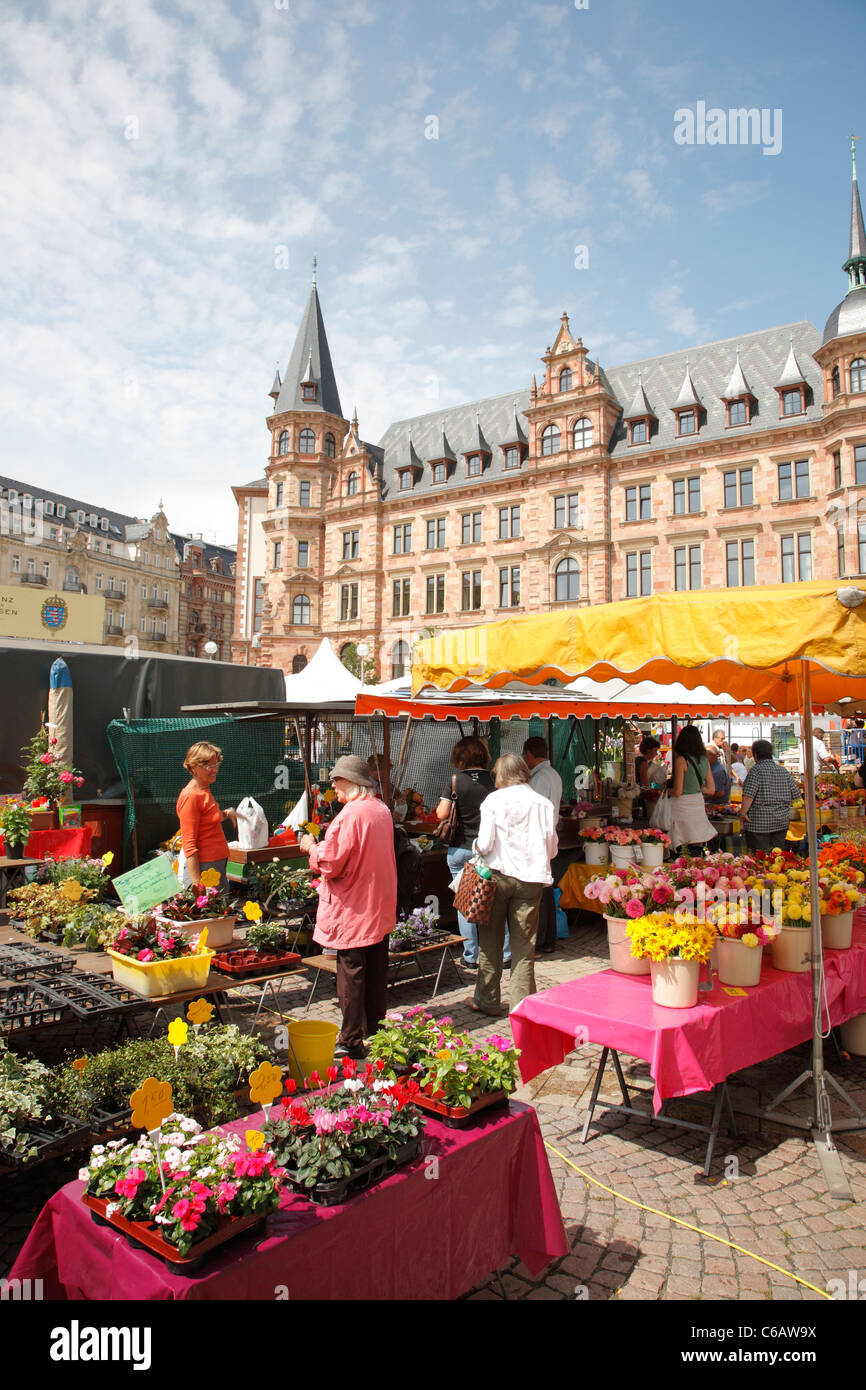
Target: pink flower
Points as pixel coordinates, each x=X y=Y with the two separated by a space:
x=145 y=955
x=67 y=778
x=202 y=901
x=634 y=908
x=661 y=893
x=128 y=1186
x=47 y=758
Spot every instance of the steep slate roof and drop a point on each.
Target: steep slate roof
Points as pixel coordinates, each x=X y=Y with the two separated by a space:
x=762 y=356
x=310 y=360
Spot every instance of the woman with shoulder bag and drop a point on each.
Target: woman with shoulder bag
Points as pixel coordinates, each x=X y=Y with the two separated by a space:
x=692 y=777
x=470 y=784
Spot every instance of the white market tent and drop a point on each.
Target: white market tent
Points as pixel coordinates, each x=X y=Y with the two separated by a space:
x=324 y=681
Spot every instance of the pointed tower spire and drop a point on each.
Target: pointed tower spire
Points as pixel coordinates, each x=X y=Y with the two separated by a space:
x=856 y=262
x=309 y=382
x=355 y=418
x=315 y=267
x=275 y=389
x=737 y=387
x=688 y=396
x=640 y=408
x=791 y=373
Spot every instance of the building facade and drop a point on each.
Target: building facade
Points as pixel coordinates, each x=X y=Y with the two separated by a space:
x=736 y=462
x=147 y=576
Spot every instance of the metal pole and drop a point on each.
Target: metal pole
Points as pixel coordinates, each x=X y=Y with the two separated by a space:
x=822 y=1120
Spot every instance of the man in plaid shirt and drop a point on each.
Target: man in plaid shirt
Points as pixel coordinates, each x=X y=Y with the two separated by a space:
x=767 y=795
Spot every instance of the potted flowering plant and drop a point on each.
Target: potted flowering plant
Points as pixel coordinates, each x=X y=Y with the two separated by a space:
x=622 y=842
x=675 y=949
x=153 y=957
x=90 y=873
x=15 y=820
x=47 y=780
x=840 y=896
x=595 y=847
x=407 y=1038
x=653 y=844
x=416 y=928
x=214 y=1188
x=347 y=1134
x=743 y=930
x=467 y=1075
x=621 y=896
x=199 y=906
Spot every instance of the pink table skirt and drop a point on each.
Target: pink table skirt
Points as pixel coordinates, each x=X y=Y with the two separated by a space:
x=414 y=1236
x=688 y=1049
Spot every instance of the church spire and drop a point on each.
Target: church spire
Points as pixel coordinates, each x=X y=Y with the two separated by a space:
x=309 y=382
x=856 y=262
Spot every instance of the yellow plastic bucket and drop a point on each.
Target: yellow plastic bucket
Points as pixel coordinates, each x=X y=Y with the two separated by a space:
x=311 y=1048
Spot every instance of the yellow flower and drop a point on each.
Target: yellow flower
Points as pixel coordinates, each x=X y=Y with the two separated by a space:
x=793 y=912
x=329 y=795
x=749 y=939
x=211 y=878
x=252 y=912
x=444 y=1055
x=108 y=858
x=313 y=829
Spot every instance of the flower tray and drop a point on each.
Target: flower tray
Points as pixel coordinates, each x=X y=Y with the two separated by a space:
x=247 y=961
x=50 y=1138
x=333 y=1194
x=406 y=947
x=455 y=1116
x=147 y=1234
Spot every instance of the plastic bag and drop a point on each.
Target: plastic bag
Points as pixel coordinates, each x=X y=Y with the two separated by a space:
x=662 y=814
x=252 y=825
x=183 y=874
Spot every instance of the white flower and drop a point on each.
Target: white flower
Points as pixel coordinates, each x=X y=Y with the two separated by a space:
x=83 y=1174
x=96 y=1163
x=190 y=1126
x=141 y=1155
x=172 y=1156
x=98 y=1149
x=355 y=1085
x=206 y=1172
x=116 y=1143
x=177 y=1137
x=380 y=1085
x=111 y=1209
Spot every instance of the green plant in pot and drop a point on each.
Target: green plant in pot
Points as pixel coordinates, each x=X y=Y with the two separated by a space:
x=266 y=938
x=15 y=823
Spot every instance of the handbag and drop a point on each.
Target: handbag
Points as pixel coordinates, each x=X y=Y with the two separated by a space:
x=475 y=895
x=446 y=831
x=662 y=813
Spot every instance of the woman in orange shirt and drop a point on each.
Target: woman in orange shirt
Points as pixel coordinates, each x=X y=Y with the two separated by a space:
x=202 y=838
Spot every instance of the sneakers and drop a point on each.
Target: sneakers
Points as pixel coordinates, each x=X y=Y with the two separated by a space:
x=357 y=1054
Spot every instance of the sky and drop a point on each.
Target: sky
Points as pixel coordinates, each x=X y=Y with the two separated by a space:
x=464 y=170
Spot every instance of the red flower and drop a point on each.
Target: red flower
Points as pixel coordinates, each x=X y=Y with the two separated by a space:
x=291 y=1086
x=332 y=1073
x=380 y=1065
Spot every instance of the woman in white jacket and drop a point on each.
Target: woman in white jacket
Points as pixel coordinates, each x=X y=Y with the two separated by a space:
x=517 y=838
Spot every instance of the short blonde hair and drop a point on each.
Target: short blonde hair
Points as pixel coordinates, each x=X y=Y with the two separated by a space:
x=510 y=771
x=202 y=753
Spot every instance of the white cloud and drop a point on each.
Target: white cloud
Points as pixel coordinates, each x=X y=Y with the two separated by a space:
x=676 y=315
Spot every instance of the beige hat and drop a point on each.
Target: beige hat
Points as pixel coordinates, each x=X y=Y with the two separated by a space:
x=352 y=769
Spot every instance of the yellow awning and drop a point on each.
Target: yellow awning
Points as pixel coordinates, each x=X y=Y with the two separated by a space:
x=750 y=642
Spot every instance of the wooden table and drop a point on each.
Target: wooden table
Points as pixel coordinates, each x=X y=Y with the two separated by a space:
x=13 y=874
x=396 y=961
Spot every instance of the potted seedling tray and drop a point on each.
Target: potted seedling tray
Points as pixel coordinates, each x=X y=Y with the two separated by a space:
x=248 y=961
x=17 y=961
x=28 y=1005
x=147 y=1234
x=50 y=1138
x=456 y=1116
x=333 y=1194
x=409 y=947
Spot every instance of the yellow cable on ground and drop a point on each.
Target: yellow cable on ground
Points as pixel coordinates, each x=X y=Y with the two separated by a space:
x=700 y=1231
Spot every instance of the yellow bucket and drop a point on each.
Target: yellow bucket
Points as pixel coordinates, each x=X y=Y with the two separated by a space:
x=311 y=1048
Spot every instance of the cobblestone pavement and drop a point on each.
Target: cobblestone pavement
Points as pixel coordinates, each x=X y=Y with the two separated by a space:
x=766 y=1193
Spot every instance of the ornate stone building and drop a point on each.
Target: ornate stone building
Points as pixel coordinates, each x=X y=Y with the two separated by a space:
x=735 y=462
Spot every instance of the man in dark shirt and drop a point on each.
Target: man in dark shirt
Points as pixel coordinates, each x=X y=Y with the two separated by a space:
x=768 y=792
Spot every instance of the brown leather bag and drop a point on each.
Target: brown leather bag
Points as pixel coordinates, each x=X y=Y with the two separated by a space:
x=474 y=896
x=446 y=831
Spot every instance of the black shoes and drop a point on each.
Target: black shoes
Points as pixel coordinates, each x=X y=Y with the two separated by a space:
x=357 y=1054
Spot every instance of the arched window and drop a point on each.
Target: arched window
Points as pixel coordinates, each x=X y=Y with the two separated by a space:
x=550 y=440
x=583 y=434
x=835 y=382
x=352 y=485
x=301 y=611
x=298 y=664
x=858 y=374
x=401 y=660
x=565 y=379
x=307 y=442
x=567 y=581
x=284 y=442
x=330 y=446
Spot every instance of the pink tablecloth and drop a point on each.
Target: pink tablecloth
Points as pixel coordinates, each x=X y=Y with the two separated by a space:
x=73 y=843
x=417 y=1235
x=688 y=1049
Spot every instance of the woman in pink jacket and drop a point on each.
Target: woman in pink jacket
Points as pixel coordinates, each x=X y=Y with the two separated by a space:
x=357 y=900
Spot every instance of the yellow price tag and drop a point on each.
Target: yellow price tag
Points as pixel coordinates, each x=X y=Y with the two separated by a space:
x=735 y=993
x=151 y=1104
x=255 y=1139
x=266 y=1083
x=178 y=1032
x=199 y=1011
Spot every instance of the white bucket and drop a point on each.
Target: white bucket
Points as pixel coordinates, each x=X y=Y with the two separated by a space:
x=595 y=851
x=652 y=853
x=619 y=948
x=675 y=983
x=622 y=855
x=837 y=930
x=738 y=964
x=854 y=1035
x=792 y=949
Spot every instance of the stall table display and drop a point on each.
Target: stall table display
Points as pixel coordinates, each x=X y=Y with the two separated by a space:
x=689 y=1050
x=72 y=843
x=396 y=963
x=13 y=874
x=494 y=1197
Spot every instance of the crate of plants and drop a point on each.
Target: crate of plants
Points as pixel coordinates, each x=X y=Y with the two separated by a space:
x=415 y=929
x=154 y=959
x=282 y=886
x=30 y=1128
x=215 y=1189
x=200 y=905
x=346 y=1136
x=459 y=1075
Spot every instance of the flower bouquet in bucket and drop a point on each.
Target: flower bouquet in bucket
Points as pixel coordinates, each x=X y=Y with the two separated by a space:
x=676 y=946
x=743 y=931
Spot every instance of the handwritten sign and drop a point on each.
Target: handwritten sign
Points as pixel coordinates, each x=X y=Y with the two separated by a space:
x=199 y=1011
x=266 y=1083
x=735 y=993
x=151 y=1104
x=148 y=885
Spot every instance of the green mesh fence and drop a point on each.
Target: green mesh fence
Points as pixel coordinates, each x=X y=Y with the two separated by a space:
x=149 y=754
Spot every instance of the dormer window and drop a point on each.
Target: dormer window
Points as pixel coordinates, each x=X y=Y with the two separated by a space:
x=738 y=412
x=473 y=466
x=512 y=456
x=308 y=391
x=61 y=511
x=687 y=422
x=48 y=507
x=792 y=401
x=103 y=523
x=550 y=440
x=79 y=517
x=439 y=472
x=858 y=374
x=405 y=479
x=565 y=379
x=638 y=432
